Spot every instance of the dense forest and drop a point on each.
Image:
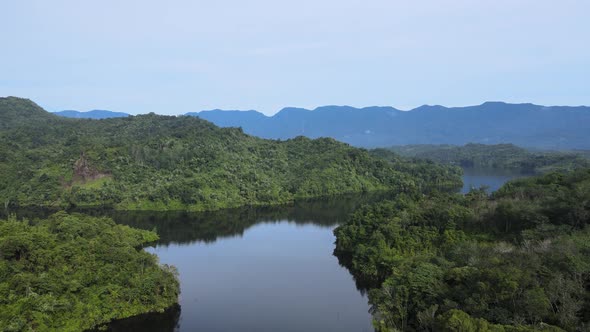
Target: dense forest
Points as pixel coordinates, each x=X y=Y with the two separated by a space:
x=501 y=156
x=516 y=260
x=430 y=175
x=430 y=259
x=153 y=162
x=72 y=272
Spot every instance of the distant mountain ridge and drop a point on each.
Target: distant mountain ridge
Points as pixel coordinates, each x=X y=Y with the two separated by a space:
x=528 y=125
x=94 y=114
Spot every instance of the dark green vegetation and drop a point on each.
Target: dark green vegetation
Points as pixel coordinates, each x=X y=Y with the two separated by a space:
x=166 y=321
x=153 y=162
x=500 y=156
x=74 y=272
x=428 y=175
x=518 y=260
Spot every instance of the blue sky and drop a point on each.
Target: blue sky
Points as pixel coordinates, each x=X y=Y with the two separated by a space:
x=173 y=57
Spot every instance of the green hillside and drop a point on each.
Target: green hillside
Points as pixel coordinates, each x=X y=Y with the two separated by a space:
x=153 y=162
x=74 y=272
x=502 y=156
x=514 y=261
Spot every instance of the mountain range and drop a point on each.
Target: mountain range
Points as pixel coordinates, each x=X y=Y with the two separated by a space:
x=527 y=125
x=94 y=114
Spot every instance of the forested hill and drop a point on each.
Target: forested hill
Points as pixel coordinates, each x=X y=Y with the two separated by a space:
x=153 y=162
x=527 y=125
x=517 y=260
x=501 y=156
x=16 y=112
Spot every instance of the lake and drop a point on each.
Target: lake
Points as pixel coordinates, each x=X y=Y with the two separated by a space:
x=492 y=178
x=262 y=269
x=255 y=269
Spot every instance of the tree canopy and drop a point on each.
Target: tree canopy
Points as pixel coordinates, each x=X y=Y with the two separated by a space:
x=516 y=260
x=72 y=272
x=152 y=162
x=498 y=156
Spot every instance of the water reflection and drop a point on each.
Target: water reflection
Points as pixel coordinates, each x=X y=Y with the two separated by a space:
x=181 y=227
x=281 y=276
x=255 y=269
x=493 y=179
x=154 y=322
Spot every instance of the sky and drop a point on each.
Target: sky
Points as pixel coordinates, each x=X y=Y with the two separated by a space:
x=173 y=57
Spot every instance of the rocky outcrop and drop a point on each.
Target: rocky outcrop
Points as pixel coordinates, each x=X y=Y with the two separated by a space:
x=84 y=171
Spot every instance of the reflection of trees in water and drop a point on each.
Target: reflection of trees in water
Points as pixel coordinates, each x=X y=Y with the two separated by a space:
x=186 y=227
x=363 y=286
x=166 y=321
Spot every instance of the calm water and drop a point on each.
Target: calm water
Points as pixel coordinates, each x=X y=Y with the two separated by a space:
x=255 y=270
x=492 y=178
x=263 y=269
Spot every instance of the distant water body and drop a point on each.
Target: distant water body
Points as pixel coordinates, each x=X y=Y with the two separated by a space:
x=491 y=178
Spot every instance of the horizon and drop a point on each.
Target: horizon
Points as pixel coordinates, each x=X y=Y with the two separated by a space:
x=323 y=106
x=294 y=107
x=188 y=56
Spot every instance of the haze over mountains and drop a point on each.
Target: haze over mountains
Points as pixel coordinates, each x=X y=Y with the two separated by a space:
x=527 y=125
x=94 y=114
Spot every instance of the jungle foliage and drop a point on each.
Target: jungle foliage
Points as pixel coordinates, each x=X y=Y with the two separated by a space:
x=499 y=156
x=72 y=272
x=516 y=260
x=153 y=162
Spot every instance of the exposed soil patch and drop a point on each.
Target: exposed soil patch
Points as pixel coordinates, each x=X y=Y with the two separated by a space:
x=84 y=171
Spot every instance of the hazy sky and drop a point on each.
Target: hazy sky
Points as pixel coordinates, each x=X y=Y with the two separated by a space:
x=172 y=57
